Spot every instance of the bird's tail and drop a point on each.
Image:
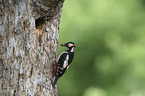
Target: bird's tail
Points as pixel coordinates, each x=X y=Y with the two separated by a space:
x=54 y=83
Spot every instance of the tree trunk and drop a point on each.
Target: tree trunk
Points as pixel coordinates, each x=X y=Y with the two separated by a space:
x=28 y=46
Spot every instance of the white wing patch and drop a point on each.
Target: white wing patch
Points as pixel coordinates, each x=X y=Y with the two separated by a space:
x=61 y=54
x=66 y=61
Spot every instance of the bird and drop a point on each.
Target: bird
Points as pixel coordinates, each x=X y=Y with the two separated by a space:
x=63 y=61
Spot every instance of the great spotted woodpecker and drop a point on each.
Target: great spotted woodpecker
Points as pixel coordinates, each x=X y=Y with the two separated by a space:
x=63 y=62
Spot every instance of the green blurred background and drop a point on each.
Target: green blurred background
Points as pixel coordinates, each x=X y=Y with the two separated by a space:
x=110 y=54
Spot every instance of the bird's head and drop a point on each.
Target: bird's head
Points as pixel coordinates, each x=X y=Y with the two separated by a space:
x=69 y=45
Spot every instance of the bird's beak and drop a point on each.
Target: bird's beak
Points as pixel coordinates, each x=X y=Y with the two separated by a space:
x=75 y=45
x=62 y=44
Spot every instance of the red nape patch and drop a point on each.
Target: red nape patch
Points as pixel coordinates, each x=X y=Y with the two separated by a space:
x=55 y=68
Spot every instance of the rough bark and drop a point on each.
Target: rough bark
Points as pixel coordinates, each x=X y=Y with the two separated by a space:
x=28 y=46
